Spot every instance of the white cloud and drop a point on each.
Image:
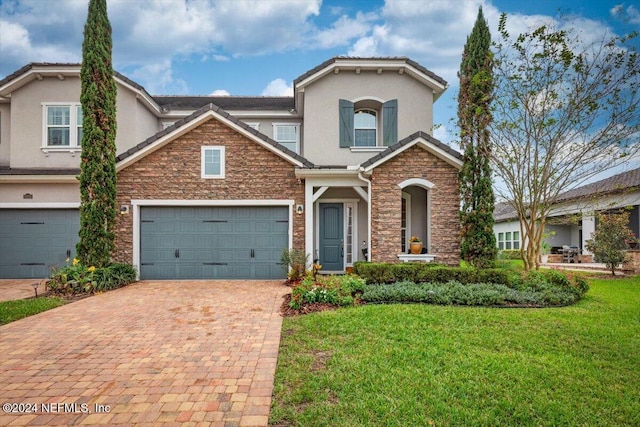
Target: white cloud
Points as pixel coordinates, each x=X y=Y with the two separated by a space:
x=220 y=92
x=278 y=87
x=344 y=30
x=631 y=14
x=158 y=78
x=149 y=35
x=16 y=42
x=444 y=134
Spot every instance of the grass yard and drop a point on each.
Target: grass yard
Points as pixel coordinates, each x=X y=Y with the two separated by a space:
x=17 y=309
x=421 y=365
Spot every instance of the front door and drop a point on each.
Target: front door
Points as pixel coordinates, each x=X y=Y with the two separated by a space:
x=331 y=236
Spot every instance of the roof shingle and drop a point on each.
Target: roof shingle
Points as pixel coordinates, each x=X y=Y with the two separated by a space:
x=625 y=181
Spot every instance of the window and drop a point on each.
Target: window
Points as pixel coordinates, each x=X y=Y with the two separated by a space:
x=62 y=126
x=509 y=240
x=365 y=128
x=212 y=162
x=368 y=123
x=287 y=135
x=405 y=220
x=349 y=235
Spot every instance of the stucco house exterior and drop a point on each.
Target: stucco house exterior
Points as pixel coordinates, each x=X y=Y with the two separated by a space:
x=216 y=187
x=572 y=219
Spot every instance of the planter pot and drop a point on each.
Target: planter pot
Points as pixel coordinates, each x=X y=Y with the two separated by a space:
x=415 y=247
x=544 y=258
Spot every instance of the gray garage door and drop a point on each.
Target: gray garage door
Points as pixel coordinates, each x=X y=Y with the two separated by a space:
x=212 y=242
x=32 y=241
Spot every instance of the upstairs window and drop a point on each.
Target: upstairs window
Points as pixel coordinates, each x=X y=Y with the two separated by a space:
x=368 y=123
x=213 y=159
x=63 y=126
x=287 y=135
x=365 y=126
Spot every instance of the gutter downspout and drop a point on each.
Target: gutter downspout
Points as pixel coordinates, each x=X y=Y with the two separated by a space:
x=362 y=178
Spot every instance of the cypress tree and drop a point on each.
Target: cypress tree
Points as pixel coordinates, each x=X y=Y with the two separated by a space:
x=98 y=165
x=478 y=245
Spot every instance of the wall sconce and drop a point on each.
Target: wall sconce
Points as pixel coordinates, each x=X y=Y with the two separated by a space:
x=124 y=209
x=299 y=209
x=27 y=196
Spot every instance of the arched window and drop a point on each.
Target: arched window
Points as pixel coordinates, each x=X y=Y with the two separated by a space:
x=365 y=126
x=368 y=123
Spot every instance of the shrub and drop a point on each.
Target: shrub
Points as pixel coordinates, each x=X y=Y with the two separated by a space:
x=114 y=276
x=510 y=254
x=72 y=279
x=294 y=262
x=608 y=242
x=429 y=272
x=335 y=290
x=75 y=278
x=535 y=291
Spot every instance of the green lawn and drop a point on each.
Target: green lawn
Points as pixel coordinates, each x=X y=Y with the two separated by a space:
x=17 y=309
x=417 y=365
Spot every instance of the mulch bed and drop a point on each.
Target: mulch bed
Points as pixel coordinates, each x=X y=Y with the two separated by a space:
x=317 y=307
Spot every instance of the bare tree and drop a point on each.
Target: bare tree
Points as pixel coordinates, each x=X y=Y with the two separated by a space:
x=565 y=109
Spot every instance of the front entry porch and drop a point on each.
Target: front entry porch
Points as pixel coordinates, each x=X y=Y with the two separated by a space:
x=338 y=216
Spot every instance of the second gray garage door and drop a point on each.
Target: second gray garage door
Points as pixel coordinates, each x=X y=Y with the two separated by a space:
x=33 y=241
x=213 y=242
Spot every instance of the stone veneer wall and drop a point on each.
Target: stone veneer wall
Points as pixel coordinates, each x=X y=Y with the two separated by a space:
x=415 y=162
x=173 y=173
x=632 y=264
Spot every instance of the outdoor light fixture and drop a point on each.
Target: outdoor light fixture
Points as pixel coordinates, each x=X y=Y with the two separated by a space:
x=35 y=288
x=299 y=209
x=124 y=209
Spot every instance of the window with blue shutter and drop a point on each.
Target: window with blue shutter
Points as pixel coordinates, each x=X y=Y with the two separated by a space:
x=359 y=123
x=390 y=122
x=346 y=123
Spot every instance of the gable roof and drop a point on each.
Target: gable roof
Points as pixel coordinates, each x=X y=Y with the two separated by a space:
x=230 y=103
x=625 y=181
x=433 y=145
x=186 y=124
x=400 y=64
x=36 y=70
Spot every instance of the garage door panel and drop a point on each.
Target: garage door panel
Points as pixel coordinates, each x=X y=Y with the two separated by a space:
x=33 y=241
x=214 y=242
x=242 y=227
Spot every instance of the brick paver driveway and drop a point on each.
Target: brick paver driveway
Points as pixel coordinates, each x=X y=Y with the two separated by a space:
x=155 y=352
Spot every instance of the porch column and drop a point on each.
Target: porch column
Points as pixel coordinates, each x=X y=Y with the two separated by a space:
x=308 y=219
x=588 y=227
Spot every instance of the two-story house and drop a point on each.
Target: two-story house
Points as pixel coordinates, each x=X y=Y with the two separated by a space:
x=217 y=187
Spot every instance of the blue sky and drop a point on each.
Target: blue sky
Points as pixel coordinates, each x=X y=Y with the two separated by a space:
x=240 y=47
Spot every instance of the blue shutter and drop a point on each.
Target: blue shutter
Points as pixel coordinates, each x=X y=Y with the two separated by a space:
x=346 y=123
x=390 y=122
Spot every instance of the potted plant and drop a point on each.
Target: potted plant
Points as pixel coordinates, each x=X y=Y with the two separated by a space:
x=632 y=242
x=545 y=248
x=415 y=245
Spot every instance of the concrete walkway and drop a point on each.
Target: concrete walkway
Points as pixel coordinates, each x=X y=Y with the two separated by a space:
x=153 y=353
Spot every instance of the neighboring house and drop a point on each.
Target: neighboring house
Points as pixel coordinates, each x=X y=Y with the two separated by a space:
x=217 y=187
x=572 y=219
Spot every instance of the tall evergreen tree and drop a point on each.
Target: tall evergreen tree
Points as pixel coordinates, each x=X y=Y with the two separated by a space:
x=474 y=116
x=98 y=165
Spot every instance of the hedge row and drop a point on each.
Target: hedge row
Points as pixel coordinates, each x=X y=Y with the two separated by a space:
x=482 y=294
x=378 y=272
x=462 y=286
x=509 y=254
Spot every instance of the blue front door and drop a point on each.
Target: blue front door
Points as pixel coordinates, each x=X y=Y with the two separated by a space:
x=331 y=236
